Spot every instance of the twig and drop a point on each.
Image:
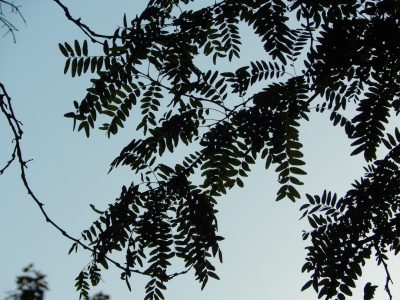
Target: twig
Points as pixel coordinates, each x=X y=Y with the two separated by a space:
x=11 y=28
x=388 y=280
x=7 y=110
x=179 y=273
x=9 y=162
x=86 y=29
x=17 y=131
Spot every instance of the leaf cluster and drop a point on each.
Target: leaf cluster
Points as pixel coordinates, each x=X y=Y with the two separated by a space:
x=351 y=59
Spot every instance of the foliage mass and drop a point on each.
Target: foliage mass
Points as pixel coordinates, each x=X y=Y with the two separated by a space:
x=344 y=56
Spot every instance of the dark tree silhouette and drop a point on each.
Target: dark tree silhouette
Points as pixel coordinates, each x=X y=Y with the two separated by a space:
x=32 y=285
x=319 y=55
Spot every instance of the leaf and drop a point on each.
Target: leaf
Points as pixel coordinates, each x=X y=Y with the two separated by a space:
x=85 y=48
x=95 y=209
x=125 y=23
x=99 y=63
x=106 y=48
x=307 y=285
x=104 y=263
x=345 y=289
x=312 y=222
x=239 y=182
x=74 y=66
x=93 y=64
x=73 y=247
x=77 y=48
x=213 y=275
x=63 y=50
x=69 y=49
x=86 y=64
x=79 y=67
x=66 y=67
x=69 y=115
x=297 y=171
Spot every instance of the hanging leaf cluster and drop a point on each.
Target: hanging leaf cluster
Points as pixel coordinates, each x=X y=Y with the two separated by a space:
x=148 y=71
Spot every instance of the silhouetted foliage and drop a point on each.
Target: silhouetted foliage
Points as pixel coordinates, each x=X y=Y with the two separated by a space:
x=369 y=291
x=31 y=285
x=351 y=52
x=101 y=296
x=344 y=56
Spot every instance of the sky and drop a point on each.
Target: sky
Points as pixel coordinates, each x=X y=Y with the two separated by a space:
x=263 y=250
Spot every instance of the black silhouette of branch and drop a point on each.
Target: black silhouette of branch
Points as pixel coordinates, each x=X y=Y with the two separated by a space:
x=86 y=29
x=15 y=126
x=9 y=162
x=388 y=280
x=10 y=27
x=7 y=111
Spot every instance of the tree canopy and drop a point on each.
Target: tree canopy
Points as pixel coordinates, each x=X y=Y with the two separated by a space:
x=32 y=285
x=336 y=57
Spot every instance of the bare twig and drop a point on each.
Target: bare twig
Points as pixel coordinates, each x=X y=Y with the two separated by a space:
x=388 y=280
x=86 y=29
x=9 y=162
x=15 y=126
x=5 y=23
x=6 y=109
x=381 y=260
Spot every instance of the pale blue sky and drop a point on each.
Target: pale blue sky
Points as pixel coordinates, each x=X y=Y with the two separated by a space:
x=263 y=249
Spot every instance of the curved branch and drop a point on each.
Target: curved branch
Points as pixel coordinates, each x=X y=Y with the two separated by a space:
x=10 y=27
x=9 y=162
x=7 y=110
x=86 y=29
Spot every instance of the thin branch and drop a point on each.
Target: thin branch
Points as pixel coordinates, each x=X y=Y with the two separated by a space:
x=15 y=127
x=7 y=110
x=11 y=28
x=381 y=260
x=179 y=273
x=183 y=94
x=9 y=162
x=86 y=29
x=388 y=280
x=14 y=8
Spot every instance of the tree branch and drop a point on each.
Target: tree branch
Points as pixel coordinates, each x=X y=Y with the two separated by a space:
x=9 y=162
x=86 y=29
x=7 y=110
x=10 y=27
